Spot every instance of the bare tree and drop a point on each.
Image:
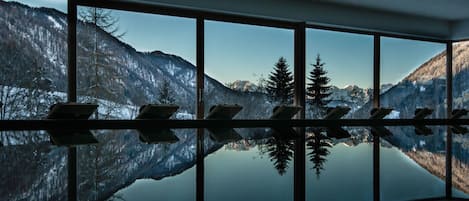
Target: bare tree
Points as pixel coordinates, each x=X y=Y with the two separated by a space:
x=102 y=74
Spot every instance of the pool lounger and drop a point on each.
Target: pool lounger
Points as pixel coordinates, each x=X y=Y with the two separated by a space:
x=157 y=135
x=71 y=111
x=223 y=112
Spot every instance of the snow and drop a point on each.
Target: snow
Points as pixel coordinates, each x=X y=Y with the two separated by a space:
x=422 y=88
x=422 y=143
x=184 y=115
x=171 y=68
x=393 y=115
x=56 y=24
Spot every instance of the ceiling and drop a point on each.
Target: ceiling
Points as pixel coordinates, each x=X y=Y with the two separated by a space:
x=433 y=19
x=438 y=9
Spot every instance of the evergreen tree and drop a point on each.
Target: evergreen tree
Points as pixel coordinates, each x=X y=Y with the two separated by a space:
x=280 y=83
x=165 y=93
x=318 y=90
x=318 y=144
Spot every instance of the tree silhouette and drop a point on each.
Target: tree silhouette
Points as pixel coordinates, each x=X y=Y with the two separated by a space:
x=318 y=144
x=280 y=83
x=165 y=93
x=280 y=148
x=318 y=90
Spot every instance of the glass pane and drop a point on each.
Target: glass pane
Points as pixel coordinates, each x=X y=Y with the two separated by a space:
x=121 y=166
x=339 y=169
x=33 y=60
x=58 y=5
x=32 y=168
x=248 y=65
x=339 y=72
x=413 y=76
x=257 y=165
x=460 y=158
x=123 y=64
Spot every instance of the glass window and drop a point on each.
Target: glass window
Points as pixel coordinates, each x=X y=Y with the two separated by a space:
x=248 y=65
x=413 y=76
x=460 y=158
x=339 y=72
x=33 y=60
x=123 y=64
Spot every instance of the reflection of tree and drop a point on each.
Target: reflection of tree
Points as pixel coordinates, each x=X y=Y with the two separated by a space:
x=318 y=144
x=280 y=148
x=95 y=164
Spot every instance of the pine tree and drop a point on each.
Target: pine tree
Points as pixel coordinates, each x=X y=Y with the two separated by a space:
x=280 y=83
x=318 y=90
x=165 y=93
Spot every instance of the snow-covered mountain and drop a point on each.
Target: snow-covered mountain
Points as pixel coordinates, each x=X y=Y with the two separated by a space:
x=36 y=38
x=351 y=96
x=243 y=86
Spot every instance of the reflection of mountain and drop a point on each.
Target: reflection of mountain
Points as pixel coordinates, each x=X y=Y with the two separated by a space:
x=33 y=172
x=103 y=169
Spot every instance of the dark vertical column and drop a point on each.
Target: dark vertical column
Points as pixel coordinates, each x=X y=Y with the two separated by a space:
x=200 y=109
x=72 y=174
x=449 y=108
x=376 y=103
x=72 y=92
x=72 y=56
x=376 y=69
x=299 y=80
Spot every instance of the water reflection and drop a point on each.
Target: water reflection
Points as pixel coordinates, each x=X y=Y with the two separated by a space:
x=121 y=158
x=258 y=167
x=107 y=169
x=280 y=148
x=32 y=168
x=319 y=145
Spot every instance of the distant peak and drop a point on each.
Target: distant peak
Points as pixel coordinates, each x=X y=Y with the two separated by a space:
x=157 y=52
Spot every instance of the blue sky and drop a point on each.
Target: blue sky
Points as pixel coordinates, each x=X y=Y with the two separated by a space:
x=246 y=52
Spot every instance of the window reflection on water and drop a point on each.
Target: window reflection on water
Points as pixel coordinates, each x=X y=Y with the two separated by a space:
x=259 y=165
